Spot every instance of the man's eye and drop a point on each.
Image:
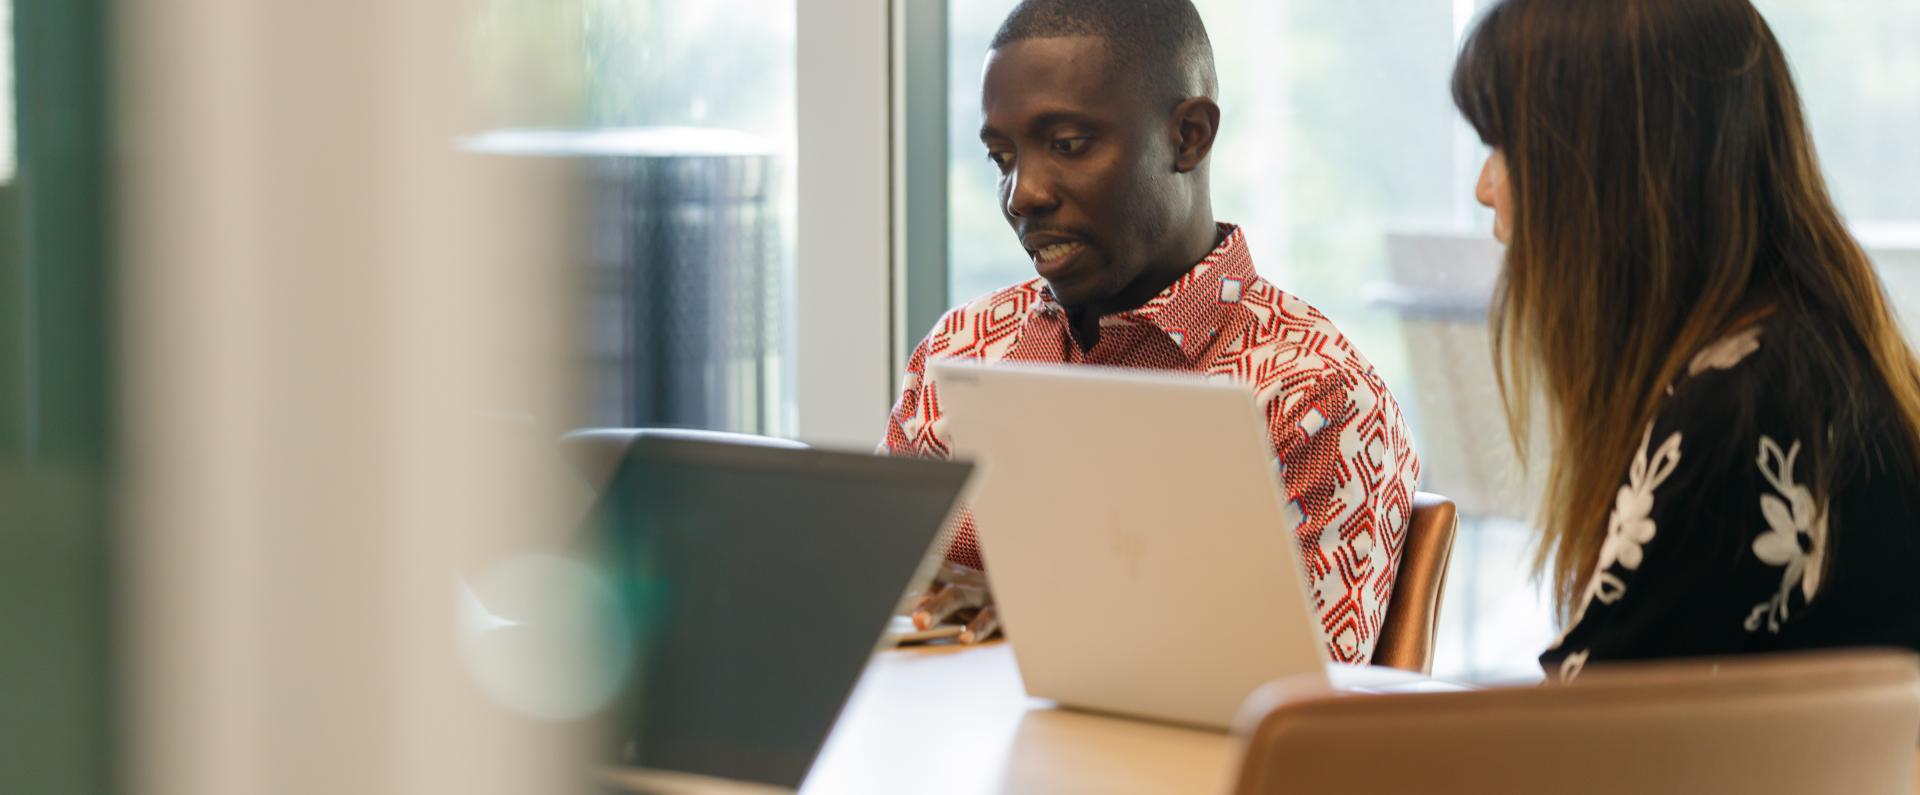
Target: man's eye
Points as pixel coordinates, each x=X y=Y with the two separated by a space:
x=1070 y=146
x=1002 y=159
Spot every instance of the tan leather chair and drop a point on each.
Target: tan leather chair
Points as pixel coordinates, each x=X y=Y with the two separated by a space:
x=1842 y=721
x=1413 y=612
x=596 y=452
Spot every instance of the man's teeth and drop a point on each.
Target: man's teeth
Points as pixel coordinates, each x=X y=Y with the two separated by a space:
x=1055 y=251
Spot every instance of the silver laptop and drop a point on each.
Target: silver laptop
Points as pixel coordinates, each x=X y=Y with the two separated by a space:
x=1132 y=527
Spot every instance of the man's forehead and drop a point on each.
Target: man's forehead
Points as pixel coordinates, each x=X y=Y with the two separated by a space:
x=1061 y=68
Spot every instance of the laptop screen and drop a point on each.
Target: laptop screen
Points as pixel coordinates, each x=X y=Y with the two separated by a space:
x=758 y=582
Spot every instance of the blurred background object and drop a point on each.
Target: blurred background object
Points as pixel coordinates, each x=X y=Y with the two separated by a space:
x=9 y=159
x=682 y=120
x=685 y=322
x=59 y=449
x=283 y=360
x=345 y=352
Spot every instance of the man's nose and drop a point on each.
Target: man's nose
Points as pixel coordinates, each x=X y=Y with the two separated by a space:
x=1030 y=193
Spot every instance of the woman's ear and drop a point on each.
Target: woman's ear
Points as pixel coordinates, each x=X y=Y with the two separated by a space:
x=1196 y=122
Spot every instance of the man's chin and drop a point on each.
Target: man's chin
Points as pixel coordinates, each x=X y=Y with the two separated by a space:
x=1072 y=293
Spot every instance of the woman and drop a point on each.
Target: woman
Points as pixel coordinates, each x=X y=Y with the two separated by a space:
x=1734 y=414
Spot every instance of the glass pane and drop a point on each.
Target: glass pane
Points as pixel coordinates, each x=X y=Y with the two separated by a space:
x=1855 y=63
x=682 y=114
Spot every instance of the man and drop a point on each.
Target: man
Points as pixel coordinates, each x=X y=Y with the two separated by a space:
x=1099 y=115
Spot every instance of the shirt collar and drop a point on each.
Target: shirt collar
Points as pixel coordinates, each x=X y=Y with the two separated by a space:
x=1197 y=306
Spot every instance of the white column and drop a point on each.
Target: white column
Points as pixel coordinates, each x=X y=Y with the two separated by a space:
x=844 y=318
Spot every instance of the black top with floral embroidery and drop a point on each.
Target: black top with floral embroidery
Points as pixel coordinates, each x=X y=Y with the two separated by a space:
x=1716 y=544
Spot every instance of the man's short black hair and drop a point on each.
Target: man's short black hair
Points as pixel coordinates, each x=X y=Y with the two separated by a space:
x=1163 y=42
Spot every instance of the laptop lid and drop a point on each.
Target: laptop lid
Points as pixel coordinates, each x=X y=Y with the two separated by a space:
x=758 y=582
x=1134 y=532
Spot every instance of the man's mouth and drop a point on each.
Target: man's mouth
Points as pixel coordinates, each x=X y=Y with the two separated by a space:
x=1048 y=255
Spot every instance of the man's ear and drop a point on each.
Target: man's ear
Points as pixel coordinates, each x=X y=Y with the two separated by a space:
x=1196 y=122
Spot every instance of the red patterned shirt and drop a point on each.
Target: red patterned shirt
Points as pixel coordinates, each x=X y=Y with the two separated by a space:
x=1344 y=455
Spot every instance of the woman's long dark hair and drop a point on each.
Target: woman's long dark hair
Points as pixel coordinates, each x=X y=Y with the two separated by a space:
x=1664 y=186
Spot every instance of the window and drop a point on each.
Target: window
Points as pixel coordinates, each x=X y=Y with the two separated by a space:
x=1341 y=154
x=684 y=116
x=1856 y=65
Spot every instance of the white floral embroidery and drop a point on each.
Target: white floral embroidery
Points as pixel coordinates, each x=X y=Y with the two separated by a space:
x=1630 y=526
x=1726 y=352
x=1573 y=665
x=1788 y=521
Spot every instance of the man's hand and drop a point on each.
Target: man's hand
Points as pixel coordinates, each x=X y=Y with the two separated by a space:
x=958 y=595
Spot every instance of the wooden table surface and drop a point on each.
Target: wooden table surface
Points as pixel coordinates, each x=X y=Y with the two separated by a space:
x=957 y=720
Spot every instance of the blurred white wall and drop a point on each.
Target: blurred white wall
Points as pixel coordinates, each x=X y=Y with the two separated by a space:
x=345 y=354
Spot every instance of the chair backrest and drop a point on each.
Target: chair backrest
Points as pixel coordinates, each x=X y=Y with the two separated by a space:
x=1413 y=612
x=1844 y=721
x=596 y=452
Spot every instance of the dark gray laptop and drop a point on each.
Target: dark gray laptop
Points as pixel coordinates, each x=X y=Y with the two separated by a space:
x=759 y=581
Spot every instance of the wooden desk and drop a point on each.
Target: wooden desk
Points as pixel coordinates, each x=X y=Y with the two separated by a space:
x=958 y=721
